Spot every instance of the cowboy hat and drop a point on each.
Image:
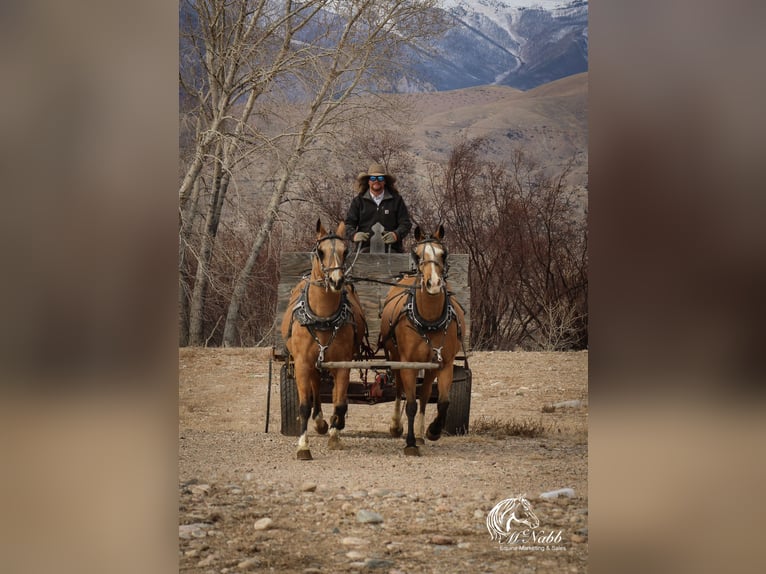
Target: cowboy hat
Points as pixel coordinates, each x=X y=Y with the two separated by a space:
x=376 y=169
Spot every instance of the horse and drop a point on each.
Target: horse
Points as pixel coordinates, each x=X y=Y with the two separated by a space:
x=509 y=513
x=324 y=321
x=421 y=321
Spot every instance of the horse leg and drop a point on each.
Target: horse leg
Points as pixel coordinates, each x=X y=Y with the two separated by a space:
x=303 y=378
x=395 y=428
x=409 y=378
x=319 y=423
x=420 y=418
x=340 y=404
x=444 y=383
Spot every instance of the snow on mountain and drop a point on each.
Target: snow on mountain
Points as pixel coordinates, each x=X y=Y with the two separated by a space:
x=518 y=43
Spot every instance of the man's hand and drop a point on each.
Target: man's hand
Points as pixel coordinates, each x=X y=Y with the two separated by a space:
x=361 y=237
x=390 y=237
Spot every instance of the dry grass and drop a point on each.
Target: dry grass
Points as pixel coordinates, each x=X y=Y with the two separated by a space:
x=499 y=428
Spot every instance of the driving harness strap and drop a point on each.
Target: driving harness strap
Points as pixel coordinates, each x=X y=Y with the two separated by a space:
x=305 y=317
x=423 y=326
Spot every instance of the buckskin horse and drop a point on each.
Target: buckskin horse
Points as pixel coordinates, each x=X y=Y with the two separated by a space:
x=422 y=321
x=324 y=321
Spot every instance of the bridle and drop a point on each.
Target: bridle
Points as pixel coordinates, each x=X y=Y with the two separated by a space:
x=442 y=266
x=327 y=270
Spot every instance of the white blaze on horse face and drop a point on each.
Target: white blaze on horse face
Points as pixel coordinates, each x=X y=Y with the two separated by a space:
x=334 y=262
x=432 y=266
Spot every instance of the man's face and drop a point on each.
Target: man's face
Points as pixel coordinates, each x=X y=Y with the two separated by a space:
x=377 y=184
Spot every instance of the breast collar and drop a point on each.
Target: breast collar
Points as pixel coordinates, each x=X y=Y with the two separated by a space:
x=448 y=313
x=305 y=317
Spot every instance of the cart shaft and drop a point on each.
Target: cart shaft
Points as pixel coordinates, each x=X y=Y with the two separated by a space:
x=377 y=365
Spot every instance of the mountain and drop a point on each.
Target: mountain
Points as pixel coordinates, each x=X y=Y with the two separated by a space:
x=549 y=123
x=516 y=43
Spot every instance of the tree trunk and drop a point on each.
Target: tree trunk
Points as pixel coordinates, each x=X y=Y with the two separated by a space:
x=201 y=282
x=183 y=311
x=187 y=211
x=230 y=334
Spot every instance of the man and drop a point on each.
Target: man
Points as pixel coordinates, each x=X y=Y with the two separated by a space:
x=378 y=201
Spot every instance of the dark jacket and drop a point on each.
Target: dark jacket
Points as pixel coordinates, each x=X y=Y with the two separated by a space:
x=391 y=213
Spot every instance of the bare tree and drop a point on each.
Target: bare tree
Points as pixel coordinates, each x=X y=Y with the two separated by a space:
x=267 y=84
x=527 y=247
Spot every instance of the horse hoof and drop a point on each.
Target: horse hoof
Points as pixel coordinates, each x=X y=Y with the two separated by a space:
x=304 y=455
x=396 y=432
x=321 y=426
x=420 y=441
x=433 y=436
x=411 y=451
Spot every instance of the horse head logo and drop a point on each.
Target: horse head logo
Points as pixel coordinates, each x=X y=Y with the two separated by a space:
x=508 y=514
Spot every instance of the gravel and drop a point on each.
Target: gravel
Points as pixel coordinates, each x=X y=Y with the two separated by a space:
x=369 y=507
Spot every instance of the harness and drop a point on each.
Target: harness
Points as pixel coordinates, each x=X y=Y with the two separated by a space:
x=422 y=326
x=417 y=323
x=305 y=317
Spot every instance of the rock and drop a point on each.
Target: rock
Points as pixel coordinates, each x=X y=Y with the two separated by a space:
x=249 y=563
x=354 y=555
x=195 y=530
x=309 y=487
x=379 y=492
x=208 y=560
x=200 y=489
x=377 y=563
x=263 y=524
x=464 y=545
x=441 y=540
x=353 y=541
x=368 y=517
x=577 y=538
x=560 y=492
x=567 y=404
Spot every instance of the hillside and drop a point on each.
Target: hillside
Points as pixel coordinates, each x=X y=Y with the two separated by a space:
x=549 y=122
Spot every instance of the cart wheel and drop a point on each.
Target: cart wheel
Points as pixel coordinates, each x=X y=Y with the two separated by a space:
x=459 y=402
x=288 y=400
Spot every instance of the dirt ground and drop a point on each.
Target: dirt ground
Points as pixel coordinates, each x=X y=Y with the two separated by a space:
x=247 y=503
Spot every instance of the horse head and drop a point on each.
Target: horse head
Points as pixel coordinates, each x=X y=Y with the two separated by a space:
x=430 y=256
x=521 y=513
x=329 y=257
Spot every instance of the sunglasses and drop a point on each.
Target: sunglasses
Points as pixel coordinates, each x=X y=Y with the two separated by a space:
x=377 y=178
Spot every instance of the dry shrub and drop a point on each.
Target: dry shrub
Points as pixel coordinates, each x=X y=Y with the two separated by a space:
x=499 y=428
